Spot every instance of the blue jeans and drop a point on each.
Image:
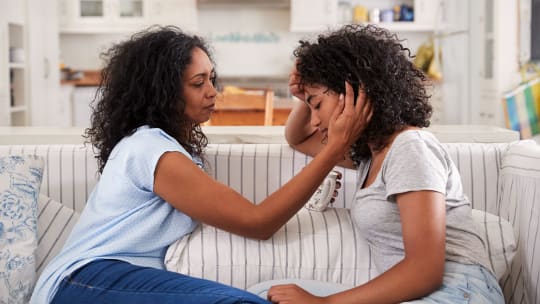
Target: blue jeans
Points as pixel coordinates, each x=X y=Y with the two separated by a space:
x=461 y=284
x=113 y=281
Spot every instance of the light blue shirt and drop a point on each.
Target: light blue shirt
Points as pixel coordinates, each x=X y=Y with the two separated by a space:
x=123 y=219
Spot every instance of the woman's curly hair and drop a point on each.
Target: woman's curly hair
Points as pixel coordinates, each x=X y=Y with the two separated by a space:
x=142 y=85
x=375 y=59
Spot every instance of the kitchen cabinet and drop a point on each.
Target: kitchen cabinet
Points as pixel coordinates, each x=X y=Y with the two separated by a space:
x=124 y=16
x=14 y=79
x=494 y=58
x=310 y=16
x=44 y=53
x=29 y=77
x=314 y=16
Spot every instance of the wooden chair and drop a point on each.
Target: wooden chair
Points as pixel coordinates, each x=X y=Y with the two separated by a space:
x=244 y=106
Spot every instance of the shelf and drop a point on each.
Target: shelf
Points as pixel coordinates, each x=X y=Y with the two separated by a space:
x=404 y=26
x=17 y=65
x=235 y=4
x=100 y=30
x=395 y=27
x=16 y=109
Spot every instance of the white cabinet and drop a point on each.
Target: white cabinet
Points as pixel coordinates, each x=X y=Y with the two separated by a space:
x=317 y=15
x=14 y=79
x=82 y=99
x=309 y=15
x=120 y=16
x=43 y=61
x=13 y=64
x=494 y=63
x=29 y=76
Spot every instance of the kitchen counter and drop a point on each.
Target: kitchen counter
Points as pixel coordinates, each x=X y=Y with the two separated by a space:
x=249 y=134
x=89 y=78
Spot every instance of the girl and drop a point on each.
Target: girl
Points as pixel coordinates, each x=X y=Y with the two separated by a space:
x=409 y=202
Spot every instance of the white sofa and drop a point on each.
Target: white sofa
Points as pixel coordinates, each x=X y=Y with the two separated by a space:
x=500 y=178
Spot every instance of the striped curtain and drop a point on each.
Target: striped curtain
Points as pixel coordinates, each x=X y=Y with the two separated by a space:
x=522 y=109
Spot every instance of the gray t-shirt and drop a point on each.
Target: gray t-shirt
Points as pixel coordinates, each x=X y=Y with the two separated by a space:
x=415 y=161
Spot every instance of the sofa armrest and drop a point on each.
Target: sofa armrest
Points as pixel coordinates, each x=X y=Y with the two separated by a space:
x=519 y=203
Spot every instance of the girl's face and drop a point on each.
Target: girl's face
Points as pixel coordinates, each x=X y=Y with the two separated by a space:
x=322 y=102
x=198 y=87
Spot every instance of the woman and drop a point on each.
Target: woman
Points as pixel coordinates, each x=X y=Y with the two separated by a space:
x=409 y=202
x=157 y=88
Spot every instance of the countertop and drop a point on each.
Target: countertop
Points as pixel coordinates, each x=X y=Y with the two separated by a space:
x=249 y=134
x=89 y=78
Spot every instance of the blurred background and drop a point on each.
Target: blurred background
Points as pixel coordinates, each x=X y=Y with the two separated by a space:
x=480 y=54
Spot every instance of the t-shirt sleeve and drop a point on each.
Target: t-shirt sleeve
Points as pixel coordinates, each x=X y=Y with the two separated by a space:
x=414 y=166
x=141 y=155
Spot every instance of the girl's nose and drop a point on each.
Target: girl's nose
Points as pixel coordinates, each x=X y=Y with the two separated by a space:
x=315 y=120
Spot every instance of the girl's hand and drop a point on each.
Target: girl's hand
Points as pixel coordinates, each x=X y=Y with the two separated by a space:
x=295 y=87
x=291 y=294
x=349 y=120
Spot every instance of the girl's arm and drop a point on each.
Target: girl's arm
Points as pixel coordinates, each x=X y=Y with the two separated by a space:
x=190 y=190
x=423 y=218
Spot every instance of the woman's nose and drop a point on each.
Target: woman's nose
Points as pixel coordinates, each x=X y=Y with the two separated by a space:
x=212 y=92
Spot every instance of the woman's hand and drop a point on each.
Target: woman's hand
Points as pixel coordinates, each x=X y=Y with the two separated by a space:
x=291 y=294
x=349 y=120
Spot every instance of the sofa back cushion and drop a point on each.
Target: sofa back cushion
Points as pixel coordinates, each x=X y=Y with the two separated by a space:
x=322 y=246
x=255 y=170
x=258 y=170
x=70 y=171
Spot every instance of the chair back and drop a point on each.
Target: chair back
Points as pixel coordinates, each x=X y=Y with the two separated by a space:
x=244 y=106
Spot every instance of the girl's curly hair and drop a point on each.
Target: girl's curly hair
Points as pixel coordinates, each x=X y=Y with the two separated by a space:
x=142 y=85
x=375 y=59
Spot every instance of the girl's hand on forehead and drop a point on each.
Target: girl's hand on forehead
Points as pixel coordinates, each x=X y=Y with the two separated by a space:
x=295 y=87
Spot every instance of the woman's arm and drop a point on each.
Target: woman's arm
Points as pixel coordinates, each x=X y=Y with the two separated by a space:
x=178 y=181
x=423 y=218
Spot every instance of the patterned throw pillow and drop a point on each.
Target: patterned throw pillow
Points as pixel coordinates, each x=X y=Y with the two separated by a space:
x=20 y=180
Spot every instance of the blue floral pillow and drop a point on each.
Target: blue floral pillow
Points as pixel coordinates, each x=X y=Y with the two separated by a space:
x=20 y=180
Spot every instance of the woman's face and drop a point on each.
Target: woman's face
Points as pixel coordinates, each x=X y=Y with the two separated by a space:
x=322 y=102
x=198 y=87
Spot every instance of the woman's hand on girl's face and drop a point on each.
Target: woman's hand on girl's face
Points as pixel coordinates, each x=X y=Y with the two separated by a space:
x=349 y=120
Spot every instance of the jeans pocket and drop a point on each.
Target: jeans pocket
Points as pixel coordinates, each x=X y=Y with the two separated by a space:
x=486 y=287
x=453 y=290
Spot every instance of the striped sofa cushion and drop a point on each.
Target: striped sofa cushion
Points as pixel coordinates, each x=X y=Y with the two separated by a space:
x=70 y=171
x=312 y=245
x=323 y=246
x=55 y=222
x=257 y=170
